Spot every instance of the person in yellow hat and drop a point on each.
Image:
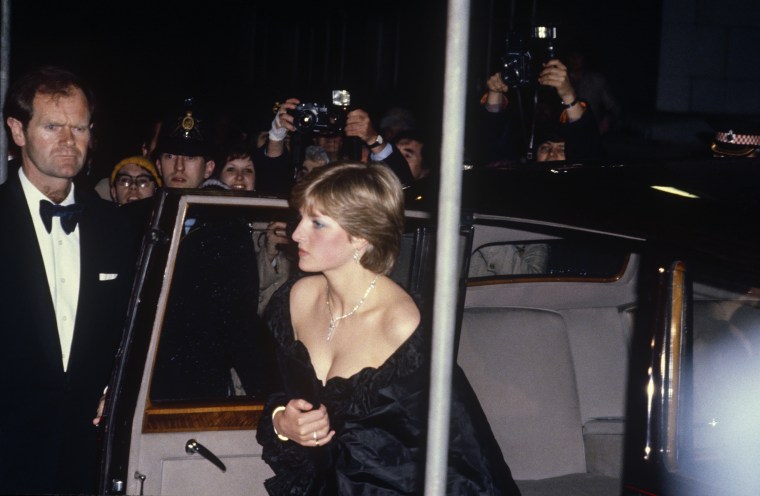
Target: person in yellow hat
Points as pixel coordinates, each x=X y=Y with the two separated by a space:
x=134 y=178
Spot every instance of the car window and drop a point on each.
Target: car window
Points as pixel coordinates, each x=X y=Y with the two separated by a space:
x=213 y=344
x=716 y=437
x=555 y=258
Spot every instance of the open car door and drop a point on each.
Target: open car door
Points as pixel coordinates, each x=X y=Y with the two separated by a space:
x=195 y=363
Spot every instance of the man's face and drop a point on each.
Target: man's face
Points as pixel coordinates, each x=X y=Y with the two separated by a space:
x=412 y=152
x=550 y=151
x=55 y=142
x=181 y=171
x=132 y=183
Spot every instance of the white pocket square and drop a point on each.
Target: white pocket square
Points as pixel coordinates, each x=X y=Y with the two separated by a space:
x=107 y=277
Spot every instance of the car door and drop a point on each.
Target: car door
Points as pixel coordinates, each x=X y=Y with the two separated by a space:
x=195 y=363
x=694 y=391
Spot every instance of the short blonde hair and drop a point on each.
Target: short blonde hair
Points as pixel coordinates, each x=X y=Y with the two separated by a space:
x=365 y=199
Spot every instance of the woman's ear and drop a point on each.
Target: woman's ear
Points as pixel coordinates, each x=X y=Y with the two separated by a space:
x=360 y=244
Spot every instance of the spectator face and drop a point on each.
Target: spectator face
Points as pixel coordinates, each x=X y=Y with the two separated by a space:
x=181 y=171
x=412 y=152
x=55 y=142
x=239 y=174
x=551 y=151
x=132 y=183
x=331 y=144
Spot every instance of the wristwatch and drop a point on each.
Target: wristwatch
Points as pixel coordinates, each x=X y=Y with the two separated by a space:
x=574 y=102
x=379 y=141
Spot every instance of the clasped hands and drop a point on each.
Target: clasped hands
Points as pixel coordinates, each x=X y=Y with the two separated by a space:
x=300 y=422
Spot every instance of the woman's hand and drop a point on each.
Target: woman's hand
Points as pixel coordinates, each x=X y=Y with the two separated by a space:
x=302 y=423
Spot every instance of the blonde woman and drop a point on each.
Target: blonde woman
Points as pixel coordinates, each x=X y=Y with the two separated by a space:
x=351 y=418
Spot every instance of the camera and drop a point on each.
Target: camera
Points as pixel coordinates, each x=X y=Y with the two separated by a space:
x=322 y=118
x=525 y=54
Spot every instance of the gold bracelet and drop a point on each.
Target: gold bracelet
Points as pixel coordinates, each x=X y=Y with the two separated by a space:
x=275 y=412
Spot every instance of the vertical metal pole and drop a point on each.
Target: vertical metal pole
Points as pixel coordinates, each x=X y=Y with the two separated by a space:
x=5 y=57
x=447 y=245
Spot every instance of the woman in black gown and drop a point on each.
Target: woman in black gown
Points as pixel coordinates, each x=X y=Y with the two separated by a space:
x=351 y=418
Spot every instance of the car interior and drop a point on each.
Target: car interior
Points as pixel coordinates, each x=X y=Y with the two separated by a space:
x=546 y=351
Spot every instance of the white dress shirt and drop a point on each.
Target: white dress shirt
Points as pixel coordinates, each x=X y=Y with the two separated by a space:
x=60 y=253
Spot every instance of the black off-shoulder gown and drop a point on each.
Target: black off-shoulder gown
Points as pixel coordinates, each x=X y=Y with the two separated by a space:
x=380 y=419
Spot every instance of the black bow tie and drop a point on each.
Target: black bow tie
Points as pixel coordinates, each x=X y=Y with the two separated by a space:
x=69 y=215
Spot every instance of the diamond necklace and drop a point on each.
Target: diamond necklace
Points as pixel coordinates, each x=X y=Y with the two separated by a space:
x=334 y=320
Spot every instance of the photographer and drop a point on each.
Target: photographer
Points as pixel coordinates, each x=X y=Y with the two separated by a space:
x=568 y=123
x=358 y=126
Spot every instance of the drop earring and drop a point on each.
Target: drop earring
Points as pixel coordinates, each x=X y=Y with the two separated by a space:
x=357 y=255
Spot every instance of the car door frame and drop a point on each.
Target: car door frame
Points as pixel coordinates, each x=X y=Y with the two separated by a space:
x=232 y=421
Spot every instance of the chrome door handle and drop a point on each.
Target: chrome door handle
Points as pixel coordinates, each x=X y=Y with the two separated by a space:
x=192 y=446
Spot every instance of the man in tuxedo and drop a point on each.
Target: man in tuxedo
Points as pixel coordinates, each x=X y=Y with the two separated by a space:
x=68 y=263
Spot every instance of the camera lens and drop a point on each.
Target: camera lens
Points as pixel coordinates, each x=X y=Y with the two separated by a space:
x=305 y=120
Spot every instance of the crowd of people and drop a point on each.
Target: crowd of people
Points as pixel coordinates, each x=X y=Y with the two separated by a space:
x=183 y=152
x=70 y=259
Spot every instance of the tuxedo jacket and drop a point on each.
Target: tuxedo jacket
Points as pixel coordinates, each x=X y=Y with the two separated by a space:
x=49 y=442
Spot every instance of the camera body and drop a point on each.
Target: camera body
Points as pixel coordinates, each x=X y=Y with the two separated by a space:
x=525 y=54
x=322 y=118
x=318 y=118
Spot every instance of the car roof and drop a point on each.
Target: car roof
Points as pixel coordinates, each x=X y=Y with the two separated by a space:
x=709 y=205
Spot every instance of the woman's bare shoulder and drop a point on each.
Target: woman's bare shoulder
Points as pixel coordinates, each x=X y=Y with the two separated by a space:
x=402 y=317
x=306 y=291
x=304 y=300
x=308 y=285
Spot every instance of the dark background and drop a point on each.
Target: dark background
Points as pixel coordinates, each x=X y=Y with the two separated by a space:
x=237 y=58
